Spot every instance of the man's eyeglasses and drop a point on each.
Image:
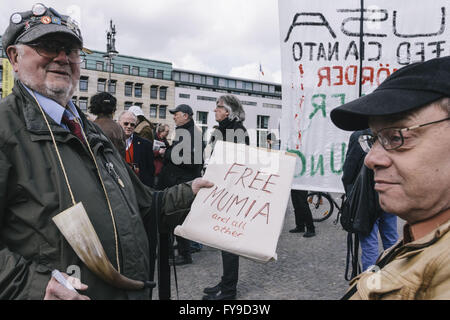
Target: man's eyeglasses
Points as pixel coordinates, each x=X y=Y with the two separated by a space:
x=131 y=124
x=52 y=49
x=390 y=138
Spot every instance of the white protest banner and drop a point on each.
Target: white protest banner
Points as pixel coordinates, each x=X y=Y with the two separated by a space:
x=244 y=212
x=329 y=56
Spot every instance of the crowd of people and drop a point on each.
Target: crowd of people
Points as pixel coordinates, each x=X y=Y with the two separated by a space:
x=136 y=186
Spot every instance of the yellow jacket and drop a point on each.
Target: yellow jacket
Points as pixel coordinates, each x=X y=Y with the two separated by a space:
x=416 y=270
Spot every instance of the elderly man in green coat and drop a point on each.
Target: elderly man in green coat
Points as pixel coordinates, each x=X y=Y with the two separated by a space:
x=51 y=156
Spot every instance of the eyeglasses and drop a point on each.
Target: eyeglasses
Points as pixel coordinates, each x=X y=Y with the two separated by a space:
x=131 y=124
x=390 y=138
x=52 y=49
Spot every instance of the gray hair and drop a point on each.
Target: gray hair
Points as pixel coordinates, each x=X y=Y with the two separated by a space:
x=20 y=53
x=233 y=106
x=128 y=113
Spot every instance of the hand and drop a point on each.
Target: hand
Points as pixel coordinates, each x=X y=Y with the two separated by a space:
x=162 y=151
x=56 y=291
x=199 y=183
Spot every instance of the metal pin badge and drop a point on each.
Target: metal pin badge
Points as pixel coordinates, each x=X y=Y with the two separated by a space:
x=56 y=20
x=16 y=18
x=38 y=9
x=46 y=20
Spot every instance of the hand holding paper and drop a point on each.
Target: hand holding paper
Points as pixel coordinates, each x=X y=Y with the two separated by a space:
x=200 y=183
x=243 y=211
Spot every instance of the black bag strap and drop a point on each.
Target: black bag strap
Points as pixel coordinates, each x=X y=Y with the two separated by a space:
x=352 y=256
x=353 y=259
x=356 y=267
x=350 y=293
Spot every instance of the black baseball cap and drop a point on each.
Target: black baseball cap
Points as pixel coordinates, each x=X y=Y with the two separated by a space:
x=408 y=88
x=27 y=26
x=182 y=108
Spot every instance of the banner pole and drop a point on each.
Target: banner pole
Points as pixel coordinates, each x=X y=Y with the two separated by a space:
x=361 y=47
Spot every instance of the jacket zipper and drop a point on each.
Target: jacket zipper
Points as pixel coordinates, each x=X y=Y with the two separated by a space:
x=110 y=167
x=112 y=172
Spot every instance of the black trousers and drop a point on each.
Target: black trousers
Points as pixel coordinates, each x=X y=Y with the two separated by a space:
x=230 y=276
x=303 y=216
x=184 y=247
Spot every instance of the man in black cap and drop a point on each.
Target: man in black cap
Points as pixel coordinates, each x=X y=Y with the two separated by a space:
x=183 y=161
x=51 y=158
x=409 y=152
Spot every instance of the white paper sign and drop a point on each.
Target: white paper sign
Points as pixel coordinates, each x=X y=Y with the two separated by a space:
x=244 y=212
x=325 y=56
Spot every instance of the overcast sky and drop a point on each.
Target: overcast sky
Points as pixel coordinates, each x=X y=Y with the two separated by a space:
x=229 y=37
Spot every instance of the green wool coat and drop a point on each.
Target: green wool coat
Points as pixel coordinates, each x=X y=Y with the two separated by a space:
x=33 y=190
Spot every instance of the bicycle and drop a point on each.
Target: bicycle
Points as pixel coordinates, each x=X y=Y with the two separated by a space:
x=322 y=206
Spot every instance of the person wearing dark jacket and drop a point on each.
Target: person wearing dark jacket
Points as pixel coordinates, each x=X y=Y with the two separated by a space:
x=53 y=159
x=230 y=116
x=161 y=132
x=386 y=224
x=144 y=127
x=183 y=161
x=103 y=105
x=139 y=151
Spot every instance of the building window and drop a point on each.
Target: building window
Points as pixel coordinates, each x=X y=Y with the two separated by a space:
x=197 y=78
x=128 y=89
x=232 y=84
x=206 y=98
x=83 y=64
x=159 y=74
x=265 y=88
x=154 y=92
x=99 y=66
x=153 y=110
x=162 y=112
x=185 y=77
x=127 y=105
x=112 y=86
x=184 y=96
x=210 y=81
x=272 y=105
x=202 y=122
x=163 y=93
x=248 y=86
x=135 y=71
x=125 y=69
x=84 y=82
x=222 y=82
x=101 y=85
x=151 y=73
x=83 y=103
x=262 y=131
x=176 y=76
x=138 y=90
x=257 y=87
x=248 y=103
x=109 y=67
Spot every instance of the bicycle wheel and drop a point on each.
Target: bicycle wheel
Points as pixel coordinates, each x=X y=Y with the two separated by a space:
x=321 y=206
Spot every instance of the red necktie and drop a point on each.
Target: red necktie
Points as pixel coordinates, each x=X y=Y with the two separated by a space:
x=74 y=127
